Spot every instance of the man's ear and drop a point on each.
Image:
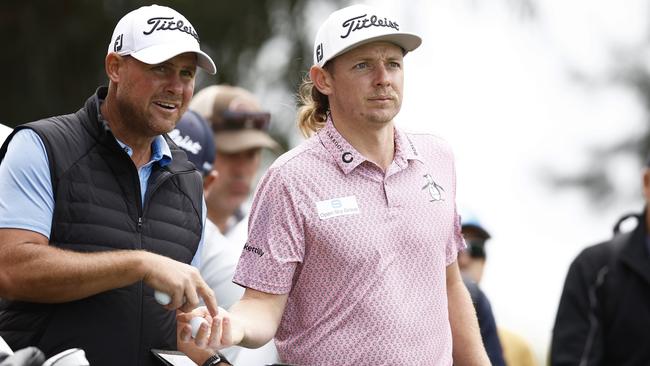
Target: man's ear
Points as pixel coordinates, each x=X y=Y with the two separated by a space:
x=322 y=79
x=209 y=180
x=112 y=65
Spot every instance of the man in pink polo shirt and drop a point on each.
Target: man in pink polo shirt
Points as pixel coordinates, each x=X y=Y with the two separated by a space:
x=354 y=235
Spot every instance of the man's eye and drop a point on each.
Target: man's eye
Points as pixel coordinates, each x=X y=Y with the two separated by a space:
x=361 y=66
x=187 y=73
x=395 y=65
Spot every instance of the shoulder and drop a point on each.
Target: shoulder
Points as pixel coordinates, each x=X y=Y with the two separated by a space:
x=594 y=254
x=25 y=136
x=590 y=261
x=300 y=160
x=428 y=144
x=66 y=134
x=295 y=173
x=57 y=126
x=14 y=159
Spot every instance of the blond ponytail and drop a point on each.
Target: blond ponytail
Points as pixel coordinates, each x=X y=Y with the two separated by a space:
x=314 y=106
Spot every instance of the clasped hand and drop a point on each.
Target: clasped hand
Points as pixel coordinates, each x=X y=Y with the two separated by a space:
x=213 y=335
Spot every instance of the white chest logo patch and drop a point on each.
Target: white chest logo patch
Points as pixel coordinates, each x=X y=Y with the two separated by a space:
x=435 y=190
x=337 y=207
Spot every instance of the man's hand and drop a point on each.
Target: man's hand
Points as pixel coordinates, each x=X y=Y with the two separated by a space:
x=217 y=333
x=251 y=323
x=182 y=282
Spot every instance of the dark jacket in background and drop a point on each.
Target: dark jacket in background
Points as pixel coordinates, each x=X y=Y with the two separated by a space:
x=486 y=323
x=98 y=208
x=604 y=312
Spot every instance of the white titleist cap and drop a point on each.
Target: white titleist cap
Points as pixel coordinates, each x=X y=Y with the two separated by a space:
x=355 y=25
x=154 y=34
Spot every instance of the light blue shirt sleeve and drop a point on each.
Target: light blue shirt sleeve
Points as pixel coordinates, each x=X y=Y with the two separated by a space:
x=196 y=261
x=26 y=198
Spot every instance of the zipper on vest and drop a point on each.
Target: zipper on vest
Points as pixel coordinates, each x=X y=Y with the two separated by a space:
x=139 y=223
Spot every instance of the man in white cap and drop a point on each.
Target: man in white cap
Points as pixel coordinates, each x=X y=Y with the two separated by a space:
x=353 y=238
x=99 y=208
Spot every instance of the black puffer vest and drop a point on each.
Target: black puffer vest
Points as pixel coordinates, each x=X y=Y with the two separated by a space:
x=98 y=208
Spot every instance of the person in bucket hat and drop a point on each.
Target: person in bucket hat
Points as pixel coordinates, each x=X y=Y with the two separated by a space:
x=354 y=235
x=240 y=129
x=99 y=208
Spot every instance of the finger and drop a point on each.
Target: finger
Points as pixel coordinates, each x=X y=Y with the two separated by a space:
x=182 y=317
x=202 y=336
x=215 y=336
x=191 y=298
x=185 y=333
x=226 y=331
x=185 y=317
x=189 y=306
x=210 y=300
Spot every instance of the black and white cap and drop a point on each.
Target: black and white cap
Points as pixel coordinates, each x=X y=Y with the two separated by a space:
x=355 y=25
x=154 y=34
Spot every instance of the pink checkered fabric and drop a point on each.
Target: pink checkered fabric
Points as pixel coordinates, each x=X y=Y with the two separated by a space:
x=366 y=285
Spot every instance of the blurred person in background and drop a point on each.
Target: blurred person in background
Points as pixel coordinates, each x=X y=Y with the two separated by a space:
x=503 y=346
x=239 y=128
x=471 y=263
x=604 y=313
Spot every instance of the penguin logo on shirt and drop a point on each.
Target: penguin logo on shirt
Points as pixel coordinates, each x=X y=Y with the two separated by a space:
x=435 y=190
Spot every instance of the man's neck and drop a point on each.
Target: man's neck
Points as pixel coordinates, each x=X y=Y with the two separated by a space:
x=375 y=141
x=140 y=145
x=220 y=219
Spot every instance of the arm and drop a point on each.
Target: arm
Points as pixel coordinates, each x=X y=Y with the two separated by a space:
x=468 y=348
x=256 y=317
x=251 y=322
x=275 y=228
x=488 y=328
x=32 y=270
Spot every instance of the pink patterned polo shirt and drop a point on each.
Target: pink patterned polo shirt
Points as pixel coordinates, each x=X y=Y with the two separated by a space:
x=361 y=252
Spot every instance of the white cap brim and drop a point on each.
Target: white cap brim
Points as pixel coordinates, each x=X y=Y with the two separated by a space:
x=161 y=53
x=407 y=41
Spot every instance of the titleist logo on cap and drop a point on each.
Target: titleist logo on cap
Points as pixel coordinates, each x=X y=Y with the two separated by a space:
x=363 y=21
x=168 y=23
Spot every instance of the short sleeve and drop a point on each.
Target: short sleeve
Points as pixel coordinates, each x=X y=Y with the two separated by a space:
x=275 y=243
x=26 y=198
x=456 y=242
